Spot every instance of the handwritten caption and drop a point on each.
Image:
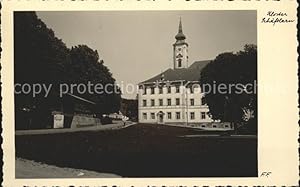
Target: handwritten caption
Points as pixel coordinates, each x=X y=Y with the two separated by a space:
x=274 y=18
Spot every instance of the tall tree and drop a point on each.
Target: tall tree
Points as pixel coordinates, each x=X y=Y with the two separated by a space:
x=129 y=107
x=237 y=103
x=86 y=67
x=39 y=57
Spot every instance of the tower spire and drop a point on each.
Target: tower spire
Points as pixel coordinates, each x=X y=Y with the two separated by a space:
x=180 y=26
x=180 y=35
x=180 y=49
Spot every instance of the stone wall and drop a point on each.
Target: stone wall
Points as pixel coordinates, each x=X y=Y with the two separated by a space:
x=84 y=121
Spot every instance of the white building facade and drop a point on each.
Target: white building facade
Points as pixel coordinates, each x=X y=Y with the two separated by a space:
x=175 y=96
x=172 y=102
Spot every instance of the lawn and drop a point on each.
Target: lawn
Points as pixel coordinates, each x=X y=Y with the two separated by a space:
x=144 y=151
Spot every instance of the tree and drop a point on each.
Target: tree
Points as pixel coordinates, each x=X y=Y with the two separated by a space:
x=39 y=57
x=239 y=100
x=129 y=107
x=86 y=67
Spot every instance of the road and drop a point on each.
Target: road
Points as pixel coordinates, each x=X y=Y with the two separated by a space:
x=145 y=150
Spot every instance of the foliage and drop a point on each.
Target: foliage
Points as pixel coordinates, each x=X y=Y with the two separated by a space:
x=232 y=69
x=129 y=108
x=85 y=67
x=40 y=57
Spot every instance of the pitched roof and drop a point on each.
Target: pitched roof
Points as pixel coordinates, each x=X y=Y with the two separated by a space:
x=191 y=73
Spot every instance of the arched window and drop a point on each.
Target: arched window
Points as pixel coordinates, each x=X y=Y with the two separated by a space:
x=179 y=63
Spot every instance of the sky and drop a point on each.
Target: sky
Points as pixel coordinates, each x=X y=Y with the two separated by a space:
x=137 y=45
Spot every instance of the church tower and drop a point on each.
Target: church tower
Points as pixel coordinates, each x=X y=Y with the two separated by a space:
x=180 y=50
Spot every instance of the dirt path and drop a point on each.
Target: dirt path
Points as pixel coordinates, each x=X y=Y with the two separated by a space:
x=30 y=169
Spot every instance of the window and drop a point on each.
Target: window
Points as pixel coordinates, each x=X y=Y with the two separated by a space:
x=192 y=89
x=152 y=90
x=169 y=89
x=177 y=89
x=160 y=102
x=214 y=126
x=177 y=101
x=203 y=125
x=202 y=101
x=152 y=115
x=169 y=114
x=226 y=126
x=160 y=89
x=144 y=102
x=145 y=91
x=192 y=102
x=177 y=115
x=144 y=115
x=152 y=102
x=192 y=114
x=203 y=115
x=179 y=63
x=169 y=102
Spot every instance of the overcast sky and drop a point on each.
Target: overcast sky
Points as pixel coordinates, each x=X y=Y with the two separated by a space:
x=138 y=45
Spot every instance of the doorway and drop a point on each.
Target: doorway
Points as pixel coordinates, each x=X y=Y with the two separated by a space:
x=160 y=117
